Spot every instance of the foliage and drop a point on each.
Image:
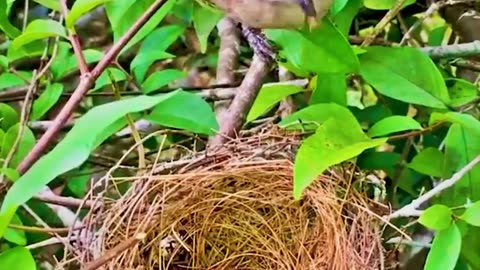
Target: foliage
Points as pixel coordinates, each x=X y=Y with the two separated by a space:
x=389 y=109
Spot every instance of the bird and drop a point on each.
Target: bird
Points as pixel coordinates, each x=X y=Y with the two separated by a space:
x=273 y=14
x=255 y=15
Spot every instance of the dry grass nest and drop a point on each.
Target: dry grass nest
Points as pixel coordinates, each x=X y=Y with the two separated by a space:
x=233 y=209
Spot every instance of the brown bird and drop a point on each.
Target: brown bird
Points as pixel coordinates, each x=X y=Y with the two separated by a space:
x=274 y=14
x=271 y=14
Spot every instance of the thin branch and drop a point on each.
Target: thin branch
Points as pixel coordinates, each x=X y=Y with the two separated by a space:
x=227 y=59
x=234 y=117
x=453 y=51
x=66 y=201
x=384 y=21
x=85 y=84
x=75 y=41
x=23 y=123
x=434 y=7
x=412 y=208
x=48 y=242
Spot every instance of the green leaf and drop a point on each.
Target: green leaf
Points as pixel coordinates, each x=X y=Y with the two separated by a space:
x=323 y=50
x=461 y=91
x=472 y=214
x=11 y=174
x=73 y=150
x=8 y=80
x=445 y=249
x=104 y=79
x=430 y=161
x=314 y=115
x=66 y=62
x=393 y=124
x=39 y=29
x=16 y=236
x=437 y=35
x=3 y=63
x=142 y=61
x=466 y=120
x=437 y=217
x=337 y=6
x=269 y=95
x=80 y=8
x=343 y=19
x=25 y=145
x=18 y=258
x=46 y=100
x=204 y=20
x=8 y=116
x=33 y=49
x=161 y=78
x=185 y=111
x=384 y=4
x=123 y=14
x=405 y=74
x=51 y=4
x=9 y=29
x=330 y=87
x=461 y=146
x=333 y=143
x=78 y=184
x=153 y=49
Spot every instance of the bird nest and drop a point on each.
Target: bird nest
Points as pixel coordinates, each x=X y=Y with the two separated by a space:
x=233 y=209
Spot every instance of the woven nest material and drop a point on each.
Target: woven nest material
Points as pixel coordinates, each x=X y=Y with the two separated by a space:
x=233 y=209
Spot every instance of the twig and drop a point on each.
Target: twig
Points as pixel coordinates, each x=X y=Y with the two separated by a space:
x=41 y=230
x=383 y=22
x=48 y=242
x=467 y=64
x=85 y=84
x=74 y=40
x=65 y=201
x=434 y=7
x=412 y=208
x=23 y=123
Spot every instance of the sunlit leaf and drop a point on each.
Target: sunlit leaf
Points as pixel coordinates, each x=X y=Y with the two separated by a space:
x=393 y=124
x=39 y=29
x=405 y=74
x=186 y=111
x=80 y=8
x=18 y=258
x=445 y=249
x=46 y=100
x=472 y=214
x=161 y=78
x=269 y=95
x=437 y=217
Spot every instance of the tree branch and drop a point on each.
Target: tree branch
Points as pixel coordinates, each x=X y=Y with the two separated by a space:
x=85 y=84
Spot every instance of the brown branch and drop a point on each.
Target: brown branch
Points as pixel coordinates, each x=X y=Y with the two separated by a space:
x=234 y=117
x=64 y=201
x=416 y=132
x=43 y=230
x=85 y=84
x=75 y=41
x=227 y=59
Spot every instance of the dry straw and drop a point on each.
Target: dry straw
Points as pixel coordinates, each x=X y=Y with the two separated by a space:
x=233 y=209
